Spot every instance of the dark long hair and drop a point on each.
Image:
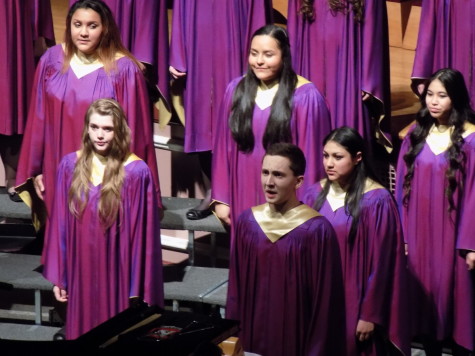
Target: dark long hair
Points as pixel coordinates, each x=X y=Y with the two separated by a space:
x=352 y=141
x=278 y=125
x=454 y=84
x=308 y=11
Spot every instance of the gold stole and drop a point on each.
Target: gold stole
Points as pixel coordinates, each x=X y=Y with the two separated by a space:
x=275 y=224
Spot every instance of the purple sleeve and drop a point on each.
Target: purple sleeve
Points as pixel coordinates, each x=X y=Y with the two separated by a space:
x=54 y=257
x=384 y=299
x=222 y=148
x=427 y=36
x=43 y=21
x=400 y=174
x=146 y=268
x=466 y=233
x=131 y=91
x=178 y=34
x=375 y=51
x=310 y=124
x=32 y=149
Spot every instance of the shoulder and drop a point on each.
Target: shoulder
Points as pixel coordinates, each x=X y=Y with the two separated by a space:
x=469 y=130
x=234 y=83
x=135 y=166
x=374 y=198
x=52 y=55
x=68 y=162
x=306 y=90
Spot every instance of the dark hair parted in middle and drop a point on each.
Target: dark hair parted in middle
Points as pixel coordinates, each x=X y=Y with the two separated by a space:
x=278 y=126
x=292 y=152
x=454 y=84
x=352 y=141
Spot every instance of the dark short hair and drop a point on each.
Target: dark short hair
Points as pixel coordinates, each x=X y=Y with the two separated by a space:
x=292 y=152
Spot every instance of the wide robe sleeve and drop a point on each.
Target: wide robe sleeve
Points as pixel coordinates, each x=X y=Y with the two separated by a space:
x=466 y=226
x=310 y=124
x=131 y=91
x=223 y=146
x=32 y=151
x=384 y=299
x=178 y=53
x=401 y=171
x=54 y=257
x=141 y=210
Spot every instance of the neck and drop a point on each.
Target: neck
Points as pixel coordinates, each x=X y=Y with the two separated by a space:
x=285 y=207
x=268 y=84
x=86 y=58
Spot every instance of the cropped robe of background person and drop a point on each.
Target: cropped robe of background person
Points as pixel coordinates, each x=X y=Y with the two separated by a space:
x=346 y=58
x=372 y=256
x=440 y=242
x=285 y=281
x=98 y=267
x=143 y=26
x=446 y=39
x=61 y=96
x=236 y=172
x=22 y=25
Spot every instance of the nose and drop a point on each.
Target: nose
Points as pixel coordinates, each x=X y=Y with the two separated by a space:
x=260 y=59
x=100 y=133
x=269 y=180
x=84 y=32
x=328 y=162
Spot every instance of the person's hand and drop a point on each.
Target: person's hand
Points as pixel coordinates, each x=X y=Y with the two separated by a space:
x=60 y=294
x=223 y=212
x=420 y=88
x=364 y=330
x=39 y=186
x=176 y=73
x=406 y=251
x=470 y=259
x=365 y=96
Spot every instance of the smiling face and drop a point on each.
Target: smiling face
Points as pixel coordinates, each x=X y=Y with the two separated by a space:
x=265 y=58
x=338 y=162
x=279 y=182
x=101 y=132
x=86 y=30
x=438 y=102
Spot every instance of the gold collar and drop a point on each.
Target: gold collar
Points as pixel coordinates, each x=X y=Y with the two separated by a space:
x=275 y=224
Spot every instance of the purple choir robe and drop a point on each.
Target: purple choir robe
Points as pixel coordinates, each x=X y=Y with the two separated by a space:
x=210 y=42
x=446 y=39
x=236 y=176
x=143 y=26
x=287 y=295
x=442 y=289
x=22 y=22
x=101 y=269
x=58 y=106
x=374 y=270
x=344 y=57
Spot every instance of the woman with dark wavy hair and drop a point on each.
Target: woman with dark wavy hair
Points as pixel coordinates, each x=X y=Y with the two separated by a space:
x=103 y=245
x=270 y=104
x=366 y=221
x=436 y=197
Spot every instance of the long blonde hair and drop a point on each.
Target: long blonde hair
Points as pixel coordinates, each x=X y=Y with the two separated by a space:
x=110 y=199
x=110 y=44
x=308 y=11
